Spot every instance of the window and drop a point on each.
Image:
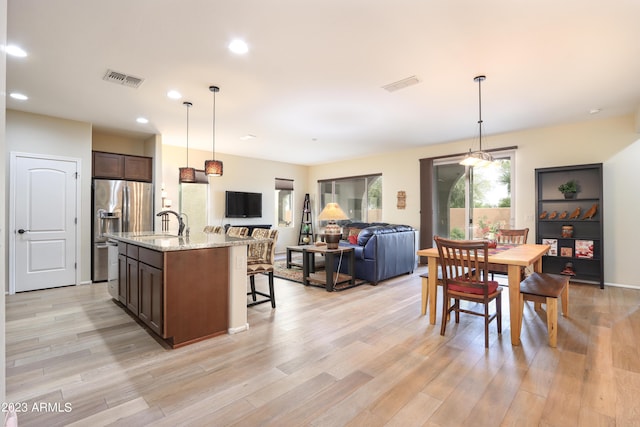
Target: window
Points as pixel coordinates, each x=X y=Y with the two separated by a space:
x=471 y=202
x=359 y=197
x=284 y=202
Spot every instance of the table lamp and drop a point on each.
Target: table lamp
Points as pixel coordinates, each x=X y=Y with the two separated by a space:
x=332 y=232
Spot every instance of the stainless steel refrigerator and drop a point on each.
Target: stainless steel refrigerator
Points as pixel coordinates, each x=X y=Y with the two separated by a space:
x=117 y=206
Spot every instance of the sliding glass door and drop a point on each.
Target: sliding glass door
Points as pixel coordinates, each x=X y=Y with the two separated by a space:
x=469 y=203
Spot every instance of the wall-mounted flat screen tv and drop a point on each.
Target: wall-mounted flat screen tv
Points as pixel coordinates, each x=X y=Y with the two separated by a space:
x=240 y=204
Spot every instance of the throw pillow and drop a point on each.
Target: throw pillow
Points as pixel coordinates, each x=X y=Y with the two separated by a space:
x=353 y=239
x=354 y=231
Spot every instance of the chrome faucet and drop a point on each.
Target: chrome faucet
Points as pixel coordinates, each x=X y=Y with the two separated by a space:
x=179 y=216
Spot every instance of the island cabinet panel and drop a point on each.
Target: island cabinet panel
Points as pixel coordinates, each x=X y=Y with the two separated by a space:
x=196 y=294
x=150 y=281
x=122 y=276
x=132 y=286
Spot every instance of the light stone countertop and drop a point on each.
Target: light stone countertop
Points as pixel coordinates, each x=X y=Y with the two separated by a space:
x=166 y=242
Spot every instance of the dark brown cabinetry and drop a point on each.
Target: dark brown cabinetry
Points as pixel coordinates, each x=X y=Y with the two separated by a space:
x=122 y=166
x=151 y=291
x=573 y=227
x=141 y=284
x=182 y=296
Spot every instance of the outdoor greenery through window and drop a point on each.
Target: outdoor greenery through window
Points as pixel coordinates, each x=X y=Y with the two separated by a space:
x=480 y=197
x=359 y=197
x=284 y=202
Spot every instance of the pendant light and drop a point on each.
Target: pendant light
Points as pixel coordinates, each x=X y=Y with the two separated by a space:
x=478 y=158
x=187 y=174
x=213 y=167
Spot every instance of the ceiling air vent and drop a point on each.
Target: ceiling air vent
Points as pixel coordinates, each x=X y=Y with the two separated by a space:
x=122 y=79
x=401 y=84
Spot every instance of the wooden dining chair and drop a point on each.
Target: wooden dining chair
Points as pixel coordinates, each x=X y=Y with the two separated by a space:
x=510 y=237
x=465 y=276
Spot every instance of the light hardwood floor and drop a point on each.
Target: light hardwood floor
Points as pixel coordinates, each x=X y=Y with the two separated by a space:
x=361 y=357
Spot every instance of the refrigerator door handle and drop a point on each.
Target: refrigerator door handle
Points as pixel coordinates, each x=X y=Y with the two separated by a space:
x=125 y=208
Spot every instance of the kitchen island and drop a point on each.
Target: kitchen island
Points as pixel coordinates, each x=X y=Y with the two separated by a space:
x=184 y=289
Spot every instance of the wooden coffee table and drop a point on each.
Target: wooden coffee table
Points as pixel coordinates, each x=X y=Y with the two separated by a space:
x=300 y=248
x=330 y=279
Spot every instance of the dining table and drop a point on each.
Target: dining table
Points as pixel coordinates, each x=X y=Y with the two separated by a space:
x=513 y=256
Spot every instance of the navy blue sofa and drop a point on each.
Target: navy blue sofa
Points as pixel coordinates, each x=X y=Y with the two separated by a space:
x=381 y=251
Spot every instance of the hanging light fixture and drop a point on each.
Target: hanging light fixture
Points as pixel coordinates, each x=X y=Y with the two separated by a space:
x=187 y=174
x=213 y=167
x=478 y=158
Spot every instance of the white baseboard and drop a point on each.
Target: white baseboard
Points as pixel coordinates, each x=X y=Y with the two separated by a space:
x=242 y=328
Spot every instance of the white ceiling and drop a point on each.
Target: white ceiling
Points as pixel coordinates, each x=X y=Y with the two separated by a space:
x=310 y=87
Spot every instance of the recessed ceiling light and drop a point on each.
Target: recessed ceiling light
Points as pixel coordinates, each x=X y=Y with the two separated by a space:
x=247 y=137
x=15 y=51
x=18 y=96
x=595 y=110
x=174 y=94
x=238 y=46
x=142 y=120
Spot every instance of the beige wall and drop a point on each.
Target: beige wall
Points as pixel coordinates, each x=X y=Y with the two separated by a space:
x=109 y=143
x=607 y=141
x=240 y=174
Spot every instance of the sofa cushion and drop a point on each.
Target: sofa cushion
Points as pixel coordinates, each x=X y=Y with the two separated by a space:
x=368 y=232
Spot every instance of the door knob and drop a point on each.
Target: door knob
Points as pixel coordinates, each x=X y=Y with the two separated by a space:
x=22 y=231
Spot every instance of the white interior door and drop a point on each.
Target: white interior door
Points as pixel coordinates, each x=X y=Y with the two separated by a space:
x=44 y=208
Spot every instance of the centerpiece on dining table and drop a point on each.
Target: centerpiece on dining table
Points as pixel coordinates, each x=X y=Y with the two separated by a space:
x=490 y=232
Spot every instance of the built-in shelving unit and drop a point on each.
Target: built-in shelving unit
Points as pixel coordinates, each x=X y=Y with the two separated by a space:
x=572 y=226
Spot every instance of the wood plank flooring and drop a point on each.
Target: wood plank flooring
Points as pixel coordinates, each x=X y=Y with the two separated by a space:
x=361 y=357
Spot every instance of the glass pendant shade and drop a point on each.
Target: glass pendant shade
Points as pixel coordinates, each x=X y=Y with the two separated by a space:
x=478 y=158
x=213 y=167
x=187 y=174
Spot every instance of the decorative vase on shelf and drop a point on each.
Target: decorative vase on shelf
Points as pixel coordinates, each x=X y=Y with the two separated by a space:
x=570 y=195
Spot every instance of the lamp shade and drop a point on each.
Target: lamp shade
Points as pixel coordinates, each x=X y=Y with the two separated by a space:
x=213 y=167
x=187 y=174
x=478 y=158
x=332 y=212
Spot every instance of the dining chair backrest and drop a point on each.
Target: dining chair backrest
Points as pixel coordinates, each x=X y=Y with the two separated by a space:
x=513 y=236
x=465 y=276
x=464 y=266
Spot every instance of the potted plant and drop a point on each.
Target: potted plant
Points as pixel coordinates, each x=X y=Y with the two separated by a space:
x=569 y=189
